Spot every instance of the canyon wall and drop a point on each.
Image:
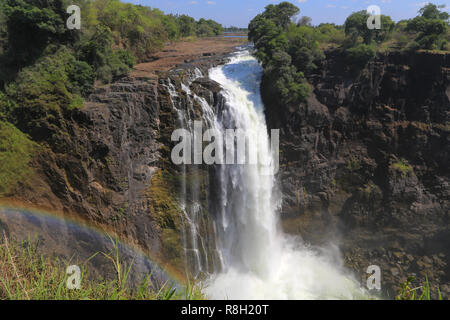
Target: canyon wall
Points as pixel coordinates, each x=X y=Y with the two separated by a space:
x=364 y=163
x=109 y=164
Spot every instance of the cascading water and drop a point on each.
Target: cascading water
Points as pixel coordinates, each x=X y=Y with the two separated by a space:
x=195 y=221
x=258 y=260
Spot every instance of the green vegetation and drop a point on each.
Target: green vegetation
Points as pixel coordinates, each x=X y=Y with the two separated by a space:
x=295 y=48
x=235 y=29
x=28 y=275
x=46 y=69
x=360 y=55
x=431 y=26
x=113 y=34
x=407 y=292
x=402 y=166
x=16 y=151
x=285 y=50
x=356 y=26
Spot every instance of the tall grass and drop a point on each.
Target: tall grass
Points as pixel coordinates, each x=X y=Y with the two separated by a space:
x=26 y=274
x=408 y=292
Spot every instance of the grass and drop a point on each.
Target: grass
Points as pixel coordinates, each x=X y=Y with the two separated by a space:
x=407 y=292
x=27 y=275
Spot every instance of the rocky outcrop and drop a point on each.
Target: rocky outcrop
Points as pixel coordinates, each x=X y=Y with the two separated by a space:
x=365 y=163
x=109 y=162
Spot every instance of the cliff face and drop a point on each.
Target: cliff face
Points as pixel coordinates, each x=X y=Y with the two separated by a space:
x=109 y=162
x=365 y=163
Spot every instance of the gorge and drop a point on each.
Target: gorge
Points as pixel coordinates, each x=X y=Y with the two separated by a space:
x=220 y=223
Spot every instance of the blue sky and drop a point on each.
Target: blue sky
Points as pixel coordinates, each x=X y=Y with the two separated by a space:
x=240 y=12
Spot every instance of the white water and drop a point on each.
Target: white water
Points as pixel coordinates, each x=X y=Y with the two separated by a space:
x=258 y=260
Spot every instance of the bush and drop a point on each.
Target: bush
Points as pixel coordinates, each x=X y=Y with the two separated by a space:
x=288 y=84
x=431 y=26
x=304 y=47
x=42 y=91
x=16 y=151
x=106 y=62
x=82 y=77
x=356 y=26
x=360 y=55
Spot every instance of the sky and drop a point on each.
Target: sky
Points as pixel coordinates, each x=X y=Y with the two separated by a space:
x=240 y=12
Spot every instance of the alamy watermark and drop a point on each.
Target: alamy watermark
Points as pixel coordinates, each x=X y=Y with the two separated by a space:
x=374 y=280
x=374 y=20
x=229 y=147
x=74 y=21
x=74 y=279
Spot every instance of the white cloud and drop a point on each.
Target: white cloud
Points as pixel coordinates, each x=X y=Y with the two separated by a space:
x=210 y=3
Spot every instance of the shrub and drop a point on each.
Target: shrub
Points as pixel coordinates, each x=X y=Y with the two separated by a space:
x=44 y=90
x=360 y=55
x=431 y=26
x=106 y=62
x=16 y=151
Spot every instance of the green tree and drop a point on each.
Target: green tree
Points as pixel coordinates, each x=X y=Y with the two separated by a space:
x=356 y=25
x=171 y=26
x=288 y=84
x=431 y=26
x=32 y=25
x=281 y=14
x=304 y=47
x=432 y=11
x=267 y=38
x=360 y=55
x=187 y=25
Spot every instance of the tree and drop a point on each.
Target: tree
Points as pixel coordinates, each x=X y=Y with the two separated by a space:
x=187 y=25
x=432 y=11
x=288 y=84
x=171 y=26
x=356 y=25
x=305 y=21
x=32 y=25
x=431 y=26
x=267 y=38
x=360 y=55
x=304 y=47
x=281 y=14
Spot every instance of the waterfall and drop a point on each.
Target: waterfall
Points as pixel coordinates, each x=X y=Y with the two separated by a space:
x=258 y=260
x=196 y=222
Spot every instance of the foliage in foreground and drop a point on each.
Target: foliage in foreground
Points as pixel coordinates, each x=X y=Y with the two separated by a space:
x=27 y=275
x=408 y=292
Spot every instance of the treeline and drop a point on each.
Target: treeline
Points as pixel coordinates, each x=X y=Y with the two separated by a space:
x=235 y=29
x=46 y=69
x=289 y=49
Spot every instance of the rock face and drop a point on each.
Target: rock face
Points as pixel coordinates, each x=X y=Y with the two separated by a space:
x=109 y=162
x=365 y=163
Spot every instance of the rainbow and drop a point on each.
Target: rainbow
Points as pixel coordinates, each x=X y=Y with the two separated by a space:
x=21 y=221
